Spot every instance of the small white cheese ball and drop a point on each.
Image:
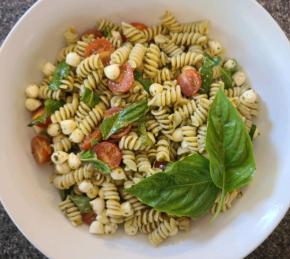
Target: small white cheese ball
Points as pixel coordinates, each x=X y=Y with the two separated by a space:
x=68 y=126
x=31 y=91
x=239 y=78
x=62 y=168
x=73 y=59
x=118 y=174
x=111 y=228
x=231 y=64
x=215 y=47
x=53 y=129
x=74 y=161
x=48 y=69
x=77 y=136
x=103 y=218
x=155 y=89
x=97 y=228
x=130 y=228
x=177 y=135
x=112 y=72
x=126 y=209
x=32 y=104
x=59 y=157
x=98 y=205
x=85 y=186
x=250 y=96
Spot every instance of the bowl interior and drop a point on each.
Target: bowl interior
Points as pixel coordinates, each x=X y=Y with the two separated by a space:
x=247 y=33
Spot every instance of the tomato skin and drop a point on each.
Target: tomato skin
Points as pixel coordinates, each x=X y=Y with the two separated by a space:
x=41 y=149
x=39 y=112
x=124 y=82
x=88 y=144
x=94 y=31
x=109 y=153
x=102 y=47
x=139 y=25
x=189 y=81
x=89 y=217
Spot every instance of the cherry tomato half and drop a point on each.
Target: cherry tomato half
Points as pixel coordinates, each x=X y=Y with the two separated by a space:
x=94 y=31
x=109 y=153
x=124 y=82
x=39 y=112
x=189 y=81
x=91 y=140
x=139 y=25
x=89 y=217
x=102 y=47
x=41 y=149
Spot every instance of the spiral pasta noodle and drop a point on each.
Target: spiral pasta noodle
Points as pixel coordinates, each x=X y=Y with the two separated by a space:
x=129 y=160
x=201 y=27
x=185 y=59
x=163 y=150
x=188 y=38
x=200 y=115
x=152 y=60
x=89 y=65
x=132 y=34
x=169 y=21
x=133 y=142
x=71 y=212
x=121 y=55
x=136 y=56
x=103 y=24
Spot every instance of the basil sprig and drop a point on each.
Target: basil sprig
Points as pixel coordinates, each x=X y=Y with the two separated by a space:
x=230 y=149
x=91 y=157
x=124 y=118
x=62 y=70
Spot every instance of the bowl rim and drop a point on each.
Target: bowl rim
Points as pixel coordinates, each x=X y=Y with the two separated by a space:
x=283 y=210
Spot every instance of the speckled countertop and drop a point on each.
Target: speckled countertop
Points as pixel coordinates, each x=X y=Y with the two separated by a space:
x=14 y=245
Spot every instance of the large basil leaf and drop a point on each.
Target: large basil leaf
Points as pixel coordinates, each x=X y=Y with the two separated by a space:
x=184 y=189
x=82 y=202
x=89 y=97
x=124 y=118
x=229 y=146
x=62 y=70
x=91 y=157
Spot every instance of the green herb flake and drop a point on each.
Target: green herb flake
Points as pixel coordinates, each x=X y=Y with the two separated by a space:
x=82 y=202
x=62 y=71
x=89 y=97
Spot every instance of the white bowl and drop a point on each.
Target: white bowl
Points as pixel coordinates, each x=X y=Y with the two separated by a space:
x=248 y=33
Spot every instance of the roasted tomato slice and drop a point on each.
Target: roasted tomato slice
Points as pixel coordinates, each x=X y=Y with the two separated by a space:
x=91 y=140
x=139 y=25
x=41 y=149
x=124 y=82
x=189 y=81
x=109 y=153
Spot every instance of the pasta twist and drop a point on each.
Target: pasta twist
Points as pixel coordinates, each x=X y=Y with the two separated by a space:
x=88 y=65
x=153 y=126
x=109 y=191
x=114 y=211
x=71 y=36
x=189 y=141
x=164 y=59
x=152 y=31
x=129 y=160
x=136 y=56
x=121 y=55
x=64 y=51
x=162 y=116
x=230 y=197
x=148 y=216
x=186 y=59
x=88 y=124
x=81 y=47
x=167 y=46
x=201 y=27
x=248 y=106
x=164 y=74
x=98 y=179
x=167 y=97
x=82 y=111
x=184 y=223
x=200 y=114
x=133 y=142
x=65 y=181
x=61 y=143
x=183 y=112
x=71 y=211
x=94 y=80
x=166 y=229
x=152 y=60
x=201 y=138
x=196 y=49
x=169 y=21
x=163 y=149
x=67 y=111
x=117 y=101
x=188 y=38
x=151 y=153
x=45 y=93
x=116 y=42
x=67 y=84
x=104 y=24
x=144 y=164
x=133 y=34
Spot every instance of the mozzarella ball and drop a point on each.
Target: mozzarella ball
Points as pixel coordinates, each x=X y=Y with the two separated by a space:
x=215 y=47
x=53 y=129
x=68 y=126
x=85 y=186
x=73 y=59
x=32 y=104
x=250 y=96
x=112 y=72
x=74 y=161
x=31 y=91
x=97 y=228
x=77 y=136
x=98 y=205
x=59 y=157
x=239 y=78
x=48 y=69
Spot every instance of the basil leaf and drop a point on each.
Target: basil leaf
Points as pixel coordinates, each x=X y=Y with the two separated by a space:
x=89 y=97
x=124 y=118
x=229 y=147
x=82 y=202
x=91 y=157
x=143 y=133
x=252 y=131
x=226 y=76
x=184 y=189
x=145 y=82
x=62 y=70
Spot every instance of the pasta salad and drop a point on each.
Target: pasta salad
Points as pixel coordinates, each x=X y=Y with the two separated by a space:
x=147 y=127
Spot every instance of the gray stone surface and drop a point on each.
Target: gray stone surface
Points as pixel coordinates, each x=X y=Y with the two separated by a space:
x=14 y=245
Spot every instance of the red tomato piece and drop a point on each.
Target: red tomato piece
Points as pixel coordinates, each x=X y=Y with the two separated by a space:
x=94 y=31
x=160 y=164
x=124 y=82
x=88 y=142
x=189 y=81
x=139 y=25
x=102 y=47
x=41 y=149
x=109 y=153
x=39 y=112
x=89 y=217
